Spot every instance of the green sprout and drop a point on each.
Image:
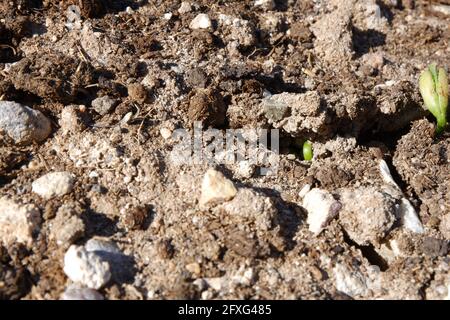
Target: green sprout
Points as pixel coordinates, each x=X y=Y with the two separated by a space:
x=433 y=85
x=307 y=150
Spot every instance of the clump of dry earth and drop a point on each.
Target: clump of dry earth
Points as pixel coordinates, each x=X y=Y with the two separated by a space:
x=94 y=205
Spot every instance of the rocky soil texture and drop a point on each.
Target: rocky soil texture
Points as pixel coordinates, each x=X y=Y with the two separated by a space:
x=93 y=205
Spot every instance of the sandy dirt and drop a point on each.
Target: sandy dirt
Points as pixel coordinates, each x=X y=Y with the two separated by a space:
x=367 y=218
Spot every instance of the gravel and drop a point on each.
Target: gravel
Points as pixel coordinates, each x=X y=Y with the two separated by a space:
x=23 y=124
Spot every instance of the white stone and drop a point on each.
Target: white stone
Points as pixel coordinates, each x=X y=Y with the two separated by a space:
x=266 y=4
x=185 y=7
x=408 y=217
x=23 y=124
x=406 y=212
x=129 y=10
x=445 y=9
x=350 y=282
x=86 y=268
x=216 y=188
x=53 y=184
x=165 y=133
x=17 y=221
x=386 y=174
x=321 y=208
x=306 y=188
x=215 y=283
x=201 y=21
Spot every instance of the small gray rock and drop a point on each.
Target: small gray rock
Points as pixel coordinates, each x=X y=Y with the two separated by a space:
x=104 y=104
x=77 y=292
x=95 y=245
x=23 y=124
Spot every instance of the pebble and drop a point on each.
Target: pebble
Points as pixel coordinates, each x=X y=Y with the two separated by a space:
x=406 y=212
x=185 y=7
x=77 y=292
x=71 y=120
x=201 y=21
x=350 y=282
x=18 y=221
x=266 y=4
x=321 y=208
x=216 y=188
x=53 y=184
x=23 y=124
x=165 y=133
x=408 y=217
x=103 y=105
x=86 y=268
x=100 y=245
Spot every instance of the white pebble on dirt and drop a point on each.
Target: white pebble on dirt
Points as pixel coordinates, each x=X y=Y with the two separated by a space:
x=408 y=217
x=77 y=292
x=53 y=184
x=201 y=21
x=23 y=124
x=351 y=282
x=266 y=4
x=216 y=188
x=406 y=212
x=18 y=222
x=86 y=268
x=321 y=208
x=185 y=7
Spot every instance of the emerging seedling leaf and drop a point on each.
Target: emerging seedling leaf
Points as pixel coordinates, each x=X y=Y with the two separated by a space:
x=307 y=150
x=433 y=85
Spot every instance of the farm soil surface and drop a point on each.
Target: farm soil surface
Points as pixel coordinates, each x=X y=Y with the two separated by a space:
x=342 y=74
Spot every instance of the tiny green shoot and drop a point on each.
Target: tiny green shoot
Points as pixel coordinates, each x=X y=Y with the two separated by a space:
x=433 y=85
x=307 y=150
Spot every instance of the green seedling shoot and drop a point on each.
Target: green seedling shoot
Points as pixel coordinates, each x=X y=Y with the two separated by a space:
x=307 y=150
x=433 y=85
